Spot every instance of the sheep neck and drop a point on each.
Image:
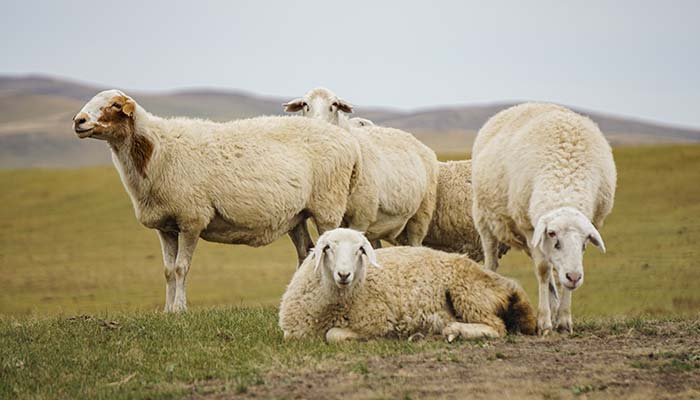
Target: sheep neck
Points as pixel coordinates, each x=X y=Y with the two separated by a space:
x=133 y=151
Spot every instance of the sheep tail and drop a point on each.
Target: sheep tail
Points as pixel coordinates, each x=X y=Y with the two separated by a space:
x=519 y=316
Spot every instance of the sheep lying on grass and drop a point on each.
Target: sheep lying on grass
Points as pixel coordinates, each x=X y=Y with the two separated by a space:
x=243 y=182
x=399 y=176
x=346 y=290
x=544 y=181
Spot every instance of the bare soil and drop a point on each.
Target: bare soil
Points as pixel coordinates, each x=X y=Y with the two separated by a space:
x=627 y=360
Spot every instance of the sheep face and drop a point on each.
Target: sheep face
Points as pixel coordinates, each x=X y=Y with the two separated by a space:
x=561 y=235
x=342 y=256
x=319 y=103
x=108 y=116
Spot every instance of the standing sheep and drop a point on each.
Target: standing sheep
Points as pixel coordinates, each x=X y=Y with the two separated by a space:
x=544 y=181
x=345 y=290
x=243 y=182
x=399 y=176
x=451 y=226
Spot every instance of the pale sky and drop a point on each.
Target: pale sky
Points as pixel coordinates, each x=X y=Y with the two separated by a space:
x=635 y=58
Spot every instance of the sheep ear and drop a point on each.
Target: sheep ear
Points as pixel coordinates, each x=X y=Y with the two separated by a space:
x=597 y=240
x=294 y=105
x=538 y=234
x=370 y=254
x=319 y=252
x=129 y=107
x=343 y=106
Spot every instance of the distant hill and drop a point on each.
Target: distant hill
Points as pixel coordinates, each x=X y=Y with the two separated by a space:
x=36 y=112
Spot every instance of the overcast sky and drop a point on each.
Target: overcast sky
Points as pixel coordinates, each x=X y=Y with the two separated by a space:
x=636 y=58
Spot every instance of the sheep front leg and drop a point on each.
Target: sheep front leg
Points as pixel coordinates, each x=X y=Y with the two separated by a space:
x=337 y=335
x=168 y=244
x=187 y=241
x=544 y=274
x=564 y=322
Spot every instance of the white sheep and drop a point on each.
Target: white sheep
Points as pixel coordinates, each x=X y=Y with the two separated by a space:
x=347 y=290
x=358 y=122
x=544 y=181
x=452 y=226
x=243 y=182
x=399 y=176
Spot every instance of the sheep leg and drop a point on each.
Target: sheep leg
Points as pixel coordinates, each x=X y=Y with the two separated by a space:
x=543 y=271
x=553 y=294
x=337 y=335
x=187 y=241
x=490 y=245
x=456 y=330
x=302 y=241
x=168 y=244
x=564 y=322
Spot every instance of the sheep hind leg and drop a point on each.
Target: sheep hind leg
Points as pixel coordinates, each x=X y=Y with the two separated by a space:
x=489 y=244
x=417 y=226
x=168 y=244
x=337 y=335
x=302 y=241
x=461 y=330
x=187 y=242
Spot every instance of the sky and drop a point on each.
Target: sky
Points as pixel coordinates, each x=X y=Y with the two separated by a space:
x=633 y=58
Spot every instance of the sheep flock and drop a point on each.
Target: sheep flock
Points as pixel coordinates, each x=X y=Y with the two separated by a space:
x=541 y=179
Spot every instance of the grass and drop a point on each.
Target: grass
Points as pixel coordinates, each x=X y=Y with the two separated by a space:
x=71 y=244
x=139 y=355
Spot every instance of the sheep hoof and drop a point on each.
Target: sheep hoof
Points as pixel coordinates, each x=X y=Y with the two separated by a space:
x=451 y=338
x=416 y=337
x=566 y=327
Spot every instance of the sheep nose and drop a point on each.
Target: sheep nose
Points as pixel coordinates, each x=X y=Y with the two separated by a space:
x=80 y=119
x=343 y=277
x=573 y=277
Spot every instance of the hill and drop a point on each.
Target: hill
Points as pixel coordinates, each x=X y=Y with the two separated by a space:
x=35 y=115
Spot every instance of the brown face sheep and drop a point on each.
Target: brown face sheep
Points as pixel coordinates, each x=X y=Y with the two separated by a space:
x=243 y=182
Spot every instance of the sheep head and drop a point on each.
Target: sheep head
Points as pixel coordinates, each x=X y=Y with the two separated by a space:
x=342 y=256
x=358 y=122
x=561 y=236
x=319 y=103
x=107 y=116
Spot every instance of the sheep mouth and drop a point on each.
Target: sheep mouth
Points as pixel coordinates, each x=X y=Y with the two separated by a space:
x=572 y=286
x=342 y=284
x=83 y=133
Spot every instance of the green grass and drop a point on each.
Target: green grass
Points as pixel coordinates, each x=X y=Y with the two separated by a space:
x=140 y=355
x=70 y=243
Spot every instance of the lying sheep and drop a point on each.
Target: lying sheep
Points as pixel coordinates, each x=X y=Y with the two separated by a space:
x=243 y=182
x=399 y=176
x=345 y=290
x=544 y=181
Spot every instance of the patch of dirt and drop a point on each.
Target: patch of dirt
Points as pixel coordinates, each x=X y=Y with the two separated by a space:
x=658 y=360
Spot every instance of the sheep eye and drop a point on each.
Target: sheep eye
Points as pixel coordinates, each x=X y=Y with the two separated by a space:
x=362 y=250
x=328 y=247
x=557 y=245
x=117 y=106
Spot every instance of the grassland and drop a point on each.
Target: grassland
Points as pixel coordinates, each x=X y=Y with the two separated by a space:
x=70 y=244
x=81 y=283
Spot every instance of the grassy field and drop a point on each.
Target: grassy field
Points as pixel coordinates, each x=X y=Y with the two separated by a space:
x=71 y=244
x=81 y=284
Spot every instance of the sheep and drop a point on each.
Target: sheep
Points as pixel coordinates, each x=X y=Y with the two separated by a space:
x=544 y=180
x=452 y=226
x=358 y=122
x=243 y=182
x=399 y=179
x=345 y=290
